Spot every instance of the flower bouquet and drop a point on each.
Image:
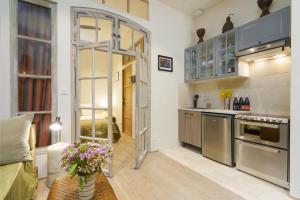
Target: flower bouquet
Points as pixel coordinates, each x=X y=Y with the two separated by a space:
x=226 y=96
x=84 y=160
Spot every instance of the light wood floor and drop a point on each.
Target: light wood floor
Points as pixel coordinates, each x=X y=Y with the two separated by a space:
x=159 y=178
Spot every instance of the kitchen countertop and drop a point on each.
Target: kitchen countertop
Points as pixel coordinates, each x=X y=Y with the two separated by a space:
x=221 y=111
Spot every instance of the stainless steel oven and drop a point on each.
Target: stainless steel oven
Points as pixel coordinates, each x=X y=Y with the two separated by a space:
x=272 y=134
x=262 y=147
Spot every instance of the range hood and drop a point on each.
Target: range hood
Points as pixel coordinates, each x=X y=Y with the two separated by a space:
x=266 y=51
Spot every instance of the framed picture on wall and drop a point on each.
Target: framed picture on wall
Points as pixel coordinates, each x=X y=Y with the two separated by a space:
x=165 y=63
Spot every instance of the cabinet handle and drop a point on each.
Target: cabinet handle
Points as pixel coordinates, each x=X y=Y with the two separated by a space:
x=271 y=150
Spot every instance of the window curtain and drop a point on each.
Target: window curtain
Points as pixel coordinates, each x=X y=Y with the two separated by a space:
x=34 y=58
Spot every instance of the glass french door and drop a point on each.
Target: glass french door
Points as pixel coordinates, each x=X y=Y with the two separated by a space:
x=141 y=109
x=94 y=94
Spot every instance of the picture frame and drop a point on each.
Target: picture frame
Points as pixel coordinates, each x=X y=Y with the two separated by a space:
x=165 y=63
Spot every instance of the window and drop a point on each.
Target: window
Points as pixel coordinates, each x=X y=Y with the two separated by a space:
x=137 y=8
x=99 y=28
x=34 y=72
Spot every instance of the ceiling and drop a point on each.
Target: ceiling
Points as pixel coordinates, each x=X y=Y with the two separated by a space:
x=189 y=6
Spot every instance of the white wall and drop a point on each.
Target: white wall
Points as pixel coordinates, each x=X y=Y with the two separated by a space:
x=171 y=32
x=4 y=60
x=295 y=105
x=244 y=11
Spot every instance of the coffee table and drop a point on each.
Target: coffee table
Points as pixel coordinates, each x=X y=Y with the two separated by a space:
x=66 y=187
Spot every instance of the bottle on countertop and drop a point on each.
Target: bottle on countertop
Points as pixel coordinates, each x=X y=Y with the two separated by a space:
x=236 y=104
x=247 y=104
x=241 y=104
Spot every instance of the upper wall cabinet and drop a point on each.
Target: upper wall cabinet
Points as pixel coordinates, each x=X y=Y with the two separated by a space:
x=225 y=53
x=205 y=69
x=191 y=62
x=200 y=61
x=214 y=58
x=272 y=27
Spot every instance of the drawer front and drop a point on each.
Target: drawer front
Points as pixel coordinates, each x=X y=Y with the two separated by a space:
x=262 y=161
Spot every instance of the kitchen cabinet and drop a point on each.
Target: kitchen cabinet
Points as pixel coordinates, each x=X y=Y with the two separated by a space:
x=215 y=58
x=272 y=27
x=191 y=63
x=189 y=130
x=226 y=48
x=206 y=58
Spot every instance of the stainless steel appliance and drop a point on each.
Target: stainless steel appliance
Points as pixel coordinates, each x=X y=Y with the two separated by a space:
x=262 y=147
x=217 y=137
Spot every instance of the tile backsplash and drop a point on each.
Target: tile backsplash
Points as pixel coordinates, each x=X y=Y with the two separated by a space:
x=268 y=88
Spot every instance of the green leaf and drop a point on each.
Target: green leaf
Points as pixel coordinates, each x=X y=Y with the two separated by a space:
x=72 y=168
x=82 y=148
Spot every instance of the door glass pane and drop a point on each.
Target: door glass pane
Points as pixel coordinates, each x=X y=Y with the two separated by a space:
x=34 y=94
x=86 y=63
x=34 y=20
x=86 y=93
x=105 y=29
x=117 y=4
x=34 y=57
x=231 y=39
x=222 y=67
x=43 y=134
x=138 y=38
x=86 y=123
x=101 y=124
x=101 y=93
x=87 y=29
x=221 y=44
x=231 y=66
x=126 y=42
x=139 y=8
x=101 y=62
x=203 y=61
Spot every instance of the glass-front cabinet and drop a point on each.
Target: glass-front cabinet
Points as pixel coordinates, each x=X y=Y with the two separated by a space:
x=199 y=61
x=191 y=62
x=226 y=47
x=214 y=58
x=207 y=63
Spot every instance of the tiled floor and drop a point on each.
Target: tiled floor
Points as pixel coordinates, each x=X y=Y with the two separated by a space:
x=245 y=185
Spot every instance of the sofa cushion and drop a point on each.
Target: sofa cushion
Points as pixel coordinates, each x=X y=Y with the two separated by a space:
x=14 y=136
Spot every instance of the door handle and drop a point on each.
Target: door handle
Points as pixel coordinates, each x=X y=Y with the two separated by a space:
x=276 y=151
x=260 y=124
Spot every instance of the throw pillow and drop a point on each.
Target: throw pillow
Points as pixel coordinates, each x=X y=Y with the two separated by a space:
x=14 y=137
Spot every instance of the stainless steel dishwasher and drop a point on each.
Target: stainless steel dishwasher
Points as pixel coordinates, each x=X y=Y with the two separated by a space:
x=217 y=137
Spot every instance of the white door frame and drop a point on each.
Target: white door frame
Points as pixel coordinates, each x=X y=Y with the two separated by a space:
x=106 y=47
x=75 y=11
x=141 y=105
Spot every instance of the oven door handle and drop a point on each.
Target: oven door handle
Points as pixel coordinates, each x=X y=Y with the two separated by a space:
x=259 y=124
x=256 y=146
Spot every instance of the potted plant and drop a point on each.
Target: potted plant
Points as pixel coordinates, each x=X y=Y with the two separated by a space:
x=85 y=160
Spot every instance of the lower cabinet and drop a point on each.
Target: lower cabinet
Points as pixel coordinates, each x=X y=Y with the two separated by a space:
x=189 y=130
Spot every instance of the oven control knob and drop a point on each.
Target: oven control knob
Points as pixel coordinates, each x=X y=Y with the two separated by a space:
x=279 y=120
x=267 y=120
